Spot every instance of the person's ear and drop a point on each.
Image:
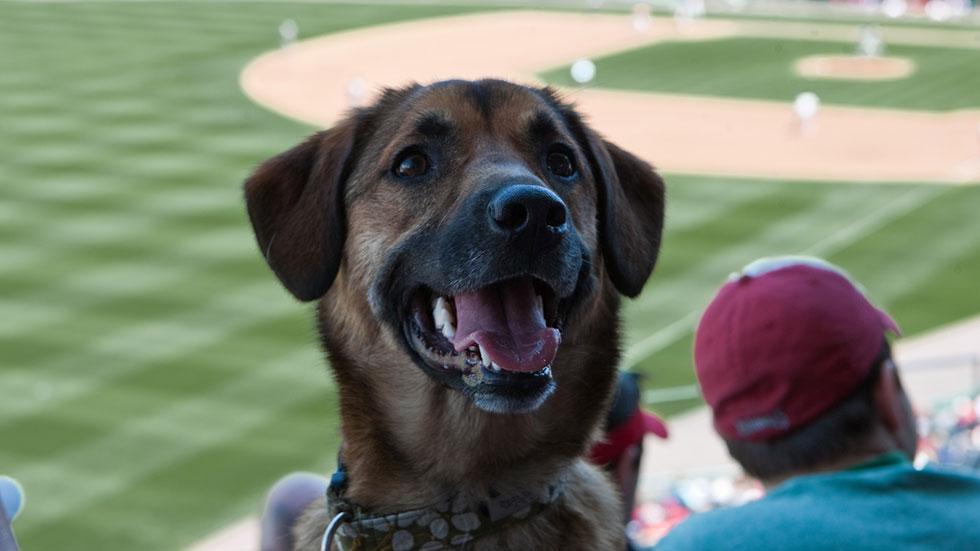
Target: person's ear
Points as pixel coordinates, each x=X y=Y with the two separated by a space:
x=890 y=401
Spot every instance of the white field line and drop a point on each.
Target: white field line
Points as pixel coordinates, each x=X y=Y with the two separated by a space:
x=706 y=208
x=940 y=254
x=857 y=230
x=837 y=241
x=659 y=340
x=695 y=285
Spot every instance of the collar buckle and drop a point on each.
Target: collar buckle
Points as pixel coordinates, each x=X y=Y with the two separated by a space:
x=328 y=536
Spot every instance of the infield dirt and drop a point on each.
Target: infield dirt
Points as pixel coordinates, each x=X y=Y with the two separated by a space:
x=310 y=81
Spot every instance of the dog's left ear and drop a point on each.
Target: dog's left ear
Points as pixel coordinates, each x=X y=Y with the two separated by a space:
x=631 y=214
x=295 y=202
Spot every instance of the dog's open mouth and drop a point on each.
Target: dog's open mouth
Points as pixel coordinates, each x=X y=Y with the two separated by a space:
x=499 y=339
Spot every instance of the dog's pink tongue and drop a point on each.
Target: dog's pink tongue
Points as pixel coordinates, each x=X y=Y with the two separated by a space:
x=507 y=321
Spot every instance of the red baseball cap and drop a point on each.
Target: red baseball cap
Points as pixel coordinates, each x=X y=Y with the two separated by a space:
x=630 y=432
x=783 y=341
x=626 y=423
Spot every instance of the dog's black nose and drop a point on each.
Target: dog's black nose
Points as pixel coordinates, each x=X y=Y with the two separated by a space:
x=527 y=209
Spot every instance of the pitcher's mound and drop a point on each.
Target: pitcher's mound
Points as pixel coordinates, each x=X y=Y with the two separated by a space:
x=854 y=67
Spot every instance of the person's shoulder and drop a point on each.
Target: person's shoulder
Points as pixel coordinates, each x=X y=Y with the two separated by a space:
x=941 y=477
x=711 y=529
x=962 y=474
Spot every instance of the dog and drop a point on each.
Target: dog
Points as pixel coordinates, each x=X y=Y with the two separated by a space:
x=467 y=244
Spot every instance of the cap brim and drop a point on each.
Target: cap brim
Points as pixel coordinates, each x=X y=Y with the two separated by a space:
x=888 y=323
x=653 y=424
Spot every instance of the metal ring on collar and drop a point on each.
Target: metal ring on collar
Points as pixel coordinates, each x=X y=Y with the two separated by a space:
x=327 y=543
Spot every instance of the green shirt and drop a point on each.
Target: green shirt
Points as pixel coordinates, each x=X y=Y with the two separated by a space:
x=884 y=504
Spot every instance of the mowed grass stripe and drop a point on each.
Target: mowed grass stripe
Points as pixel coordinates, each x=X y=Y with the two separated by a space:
x=141 y=445
x=949 y=294
x=177 y=280
x=177 y=247
x=924 y=267
x=203 y=491
x=155 y=386
x=85 y=364
x=707 y=200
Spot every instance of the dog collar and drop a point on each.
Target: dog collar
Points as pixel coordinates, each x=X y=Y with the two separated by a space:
x=450 y=523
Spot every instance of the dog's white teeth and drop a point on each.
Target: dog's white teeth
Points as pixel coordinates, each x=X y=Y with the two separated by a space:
x=540 y=302
x=443 y=318
x=484 y=357
x=546 y=370
x=439 y=313
x=494 y=367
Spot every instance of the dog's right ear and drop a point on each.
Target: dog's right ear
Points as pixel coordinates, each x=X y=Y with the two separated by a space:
x=295 y=202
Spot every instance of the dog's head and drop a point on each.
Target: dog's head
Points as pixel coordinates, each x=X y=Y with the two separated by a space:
x=478 y=226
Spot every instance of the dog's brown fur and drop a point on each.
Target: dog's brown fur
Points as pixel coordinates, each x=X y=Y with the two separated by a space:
x=328 y=217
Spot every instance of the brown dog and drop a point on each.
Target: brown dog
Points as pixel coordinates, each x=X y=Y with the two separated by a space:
x=467 y=243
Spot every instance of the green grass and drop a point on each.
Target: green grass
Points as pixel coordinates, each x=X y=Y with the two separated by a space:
x=154 y=378
x=762 y=68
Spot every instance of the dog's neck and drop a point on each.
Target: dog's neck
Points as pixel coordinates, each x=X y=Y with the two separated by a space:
x=455 y=519
x=402 y=462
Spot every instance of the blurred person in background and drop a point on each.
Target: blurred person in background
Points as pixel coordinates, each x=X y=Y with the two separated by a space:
x=11 y=503
x=794 y=362
x=620 y=451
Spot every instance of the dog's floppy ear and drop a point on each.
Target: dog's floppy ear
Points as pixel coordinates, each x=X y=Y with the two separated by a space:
x=631 y=214
x=295 y=203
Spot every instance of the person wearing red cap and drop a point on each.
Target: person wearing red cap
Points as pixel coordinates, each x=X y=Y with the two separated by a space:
x=793 y=360
x=621 y=447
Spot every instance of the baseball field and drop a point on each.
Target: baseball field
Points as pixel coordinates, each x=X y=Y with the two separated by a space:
x=154 y=377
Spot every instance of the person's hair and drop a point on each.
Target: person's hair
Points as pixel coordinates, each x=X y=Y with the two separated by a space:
x=832 y=436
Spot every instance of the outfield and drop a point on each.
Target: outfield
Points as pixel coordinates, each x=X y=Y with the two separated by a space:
x=154 y=377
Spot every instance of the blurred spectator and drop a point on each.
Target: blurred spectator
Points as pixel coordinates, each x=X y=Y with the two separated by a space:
x=794 y=362
x=950 y=435
x=621 y=447
x=11 y=503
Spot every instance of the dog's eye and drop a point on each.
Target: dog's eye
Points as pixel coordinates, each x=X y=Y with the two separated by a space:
x=560 y=164
x=411 y=164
